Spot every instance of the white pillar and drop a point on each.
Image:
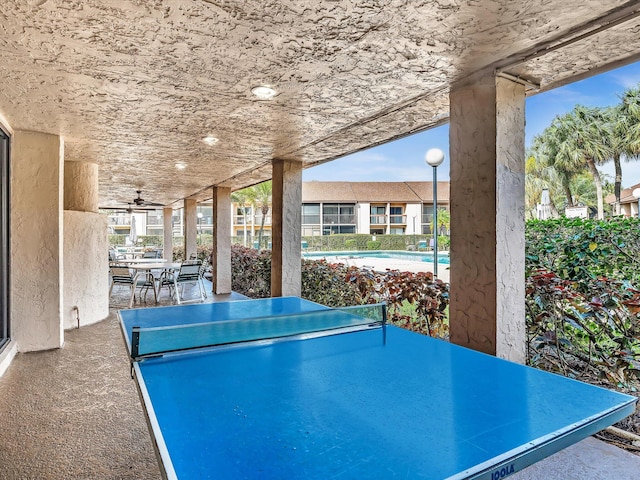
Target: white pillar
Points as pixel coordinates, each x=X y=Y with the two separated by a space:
x=487 y=229
x=36 y=240
x=286 y=261
x=167 y=232
x=190 y=228
x=221 y=261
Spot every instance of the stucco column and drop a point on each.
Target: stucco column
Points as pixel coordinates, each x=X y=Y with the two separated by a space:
x=86 y=279
x=190 y=228
x=487 y=217
x=286 y=263
x=36 y=240
x=167 y=232
x=221 y=261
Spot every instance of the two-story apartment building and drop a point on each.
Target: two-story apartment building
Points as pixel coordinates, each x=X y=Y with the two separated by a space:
x=376 y=208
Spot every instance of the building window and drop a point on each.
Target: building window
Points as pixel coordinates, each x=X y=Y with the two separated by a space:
x=4 y=234
x=310 y=231
x=427 y=218
x=397 y=230
x=338 y=218
x=378 y=215
x=310 y=214
x=333 y=229
x=396 y=216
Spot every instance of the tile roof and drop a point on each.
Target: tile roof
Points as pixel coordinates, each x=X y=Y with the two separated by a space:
x=626 y=195
x=363 y=192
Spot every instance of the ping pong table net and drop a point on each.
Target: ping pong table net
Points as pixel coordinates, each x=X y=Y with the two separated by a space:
x=153 y=341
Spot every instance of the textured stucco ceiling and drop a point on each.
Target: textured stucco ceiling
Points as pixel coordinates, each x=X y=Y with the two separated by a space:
x=134 y=85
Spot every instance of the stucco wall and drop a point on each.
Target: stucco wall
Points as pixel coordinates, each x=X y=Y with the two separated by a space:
x=81 y=186
x=86 y=268
x=36 y=240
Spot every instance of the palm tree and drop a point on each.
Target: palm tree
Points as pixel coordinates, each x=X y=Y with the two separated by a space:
x=578 y=139
x=259 y=196
x=539 y=177
x=624 y=121
x=545 y=150
x=241 y=197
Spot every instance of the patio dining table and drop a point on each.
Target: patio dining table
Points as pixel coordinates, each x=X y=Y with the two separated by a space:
x=143 y=268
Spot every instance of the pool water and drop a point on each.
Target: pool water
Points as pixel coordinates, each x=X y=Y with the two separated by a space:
x=443 y=258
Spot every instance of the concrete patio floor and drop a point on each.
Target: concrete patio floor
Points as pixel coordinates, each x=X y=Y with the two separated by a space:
x=74 y=413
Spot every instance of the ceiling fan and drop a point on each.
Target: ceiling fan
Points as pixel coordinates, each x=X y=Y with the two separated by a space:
x=130 y=208
x=141 y=202
x=138 y=204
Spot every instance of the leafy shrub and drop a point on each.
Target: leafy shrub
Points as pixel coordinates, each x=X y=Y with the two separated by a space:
x=373 y=245
x=582 y=309
x=251 y=271
x=579 y=249
x=325 y=283
x=336 y=285
x=350 y=244
x=429 y=296
x=584 y=334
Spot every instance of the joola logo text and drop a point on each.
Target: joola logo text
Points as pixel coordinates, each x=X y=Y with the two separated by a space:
x=503 y=472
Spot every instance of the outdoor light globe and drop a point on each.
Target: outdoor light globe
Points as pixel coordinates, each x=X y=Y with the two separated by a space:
x=434 y=157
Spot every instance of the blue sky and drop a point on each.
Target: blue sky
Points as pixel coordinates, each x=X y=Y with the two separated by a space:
x=404 y=159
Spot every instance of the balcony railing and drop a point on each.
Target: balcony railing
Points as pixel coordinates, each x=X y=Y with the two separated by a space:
x=339 y=219
x=398 y=219
x=378 y=220
x=311 y=219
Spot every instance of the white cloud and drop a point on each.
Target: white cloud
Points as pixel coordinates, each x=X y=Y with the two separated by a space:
x=626 y=81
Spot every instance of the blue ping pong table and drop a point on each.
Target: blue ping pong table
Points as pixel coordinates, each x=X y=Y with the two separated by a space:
x=376 y=402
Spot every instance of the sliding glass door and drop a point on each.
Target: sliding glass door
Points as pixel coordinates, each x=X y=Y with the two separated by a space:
x=4 y=238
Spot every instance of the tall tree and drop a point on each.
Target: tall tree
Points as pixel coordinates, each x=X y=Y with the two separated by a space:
x=546 y=151
x=581 y=139
x=624 y=124
x=260 y=198
x=539 y=177
x=241 y=198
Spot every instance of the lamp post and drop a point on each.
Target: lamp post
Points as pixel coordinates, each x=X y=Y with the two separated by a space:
x=435 y=157
x=199 y=215
x=636 y=194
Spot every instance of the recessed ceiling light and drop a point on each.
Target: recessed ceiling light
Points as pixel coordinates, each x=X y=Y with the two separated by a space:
x=263 y=92
x=210 y=140
x=181 y=166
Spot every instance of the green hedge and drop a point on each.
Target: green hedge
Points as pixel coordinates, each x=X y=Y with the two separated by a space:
x=582 y=302
x=358 y=241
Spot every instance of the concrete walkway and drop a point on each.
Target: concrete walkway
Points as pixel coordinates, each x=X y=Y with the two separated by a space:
x=74 y=413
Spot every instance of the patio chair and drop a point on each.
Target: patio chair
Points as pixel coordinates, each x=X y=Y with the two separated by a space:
x=151 y=254
x=191 y=272
x=122 y=276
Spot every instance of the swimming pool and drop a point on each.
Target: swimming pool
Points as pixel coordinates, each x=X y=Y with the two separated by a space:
x=443 y=258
